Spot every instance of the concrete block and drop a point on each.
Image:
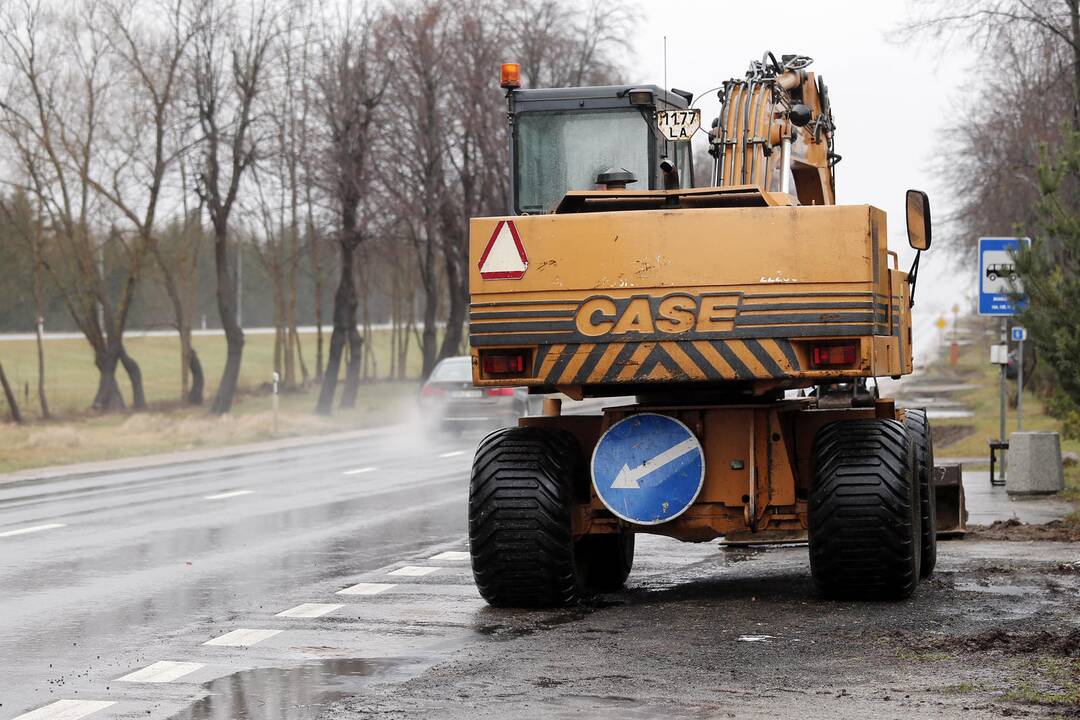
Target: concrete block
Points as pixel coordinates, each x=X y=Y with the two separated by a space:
x=1034 y=464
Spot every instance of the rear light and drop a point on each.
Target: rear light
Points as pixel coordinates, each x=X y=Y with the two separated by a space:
x=499 y=392
x=503 y=362
x=431 y=391
x=833 y=355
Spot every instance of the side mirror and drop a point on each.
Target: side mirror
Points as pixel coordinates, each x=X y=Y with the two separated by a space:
x=918 y=219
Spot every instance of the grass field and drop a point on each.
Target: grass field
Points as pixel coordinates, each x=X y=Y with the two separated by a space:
x=78 y=435
x=71 y=377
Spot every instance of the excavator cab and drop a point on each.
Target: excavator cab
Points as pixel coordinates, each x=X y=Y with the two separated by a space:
x=565 y=139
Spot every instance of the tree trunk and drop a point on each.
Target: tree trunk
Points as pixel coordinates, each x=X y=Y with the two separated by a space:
x=352 y=371
x=198 y=381
x=183 y=323
x=428 y=275
x=458 y=284
x=344 y=319
x=316 y=269
x=1074 y=26
x=187 y=371
x=234 y=335
x=108 y=396
x=13 y=405
x=42 y=399
x=138 y=397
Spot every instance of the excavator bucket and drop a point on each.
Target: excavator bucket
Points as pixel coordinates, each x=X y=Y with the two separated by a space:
x=949 y=497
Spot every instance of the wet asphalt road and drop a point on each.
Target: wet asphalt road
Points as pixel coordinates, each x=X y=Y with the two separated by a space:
x=114 y=564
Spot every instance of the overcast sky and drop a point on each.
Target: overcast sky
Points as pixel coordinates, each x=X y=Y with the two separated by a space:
x=888 y=100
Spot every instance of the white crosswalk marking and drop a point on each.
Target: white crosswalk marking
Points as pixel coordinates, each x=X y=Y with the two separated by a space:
x=244 y=637
x=162 y=671
x=366 y=589
x=414 y=570
x=451 y=555
x=66 y=710
x=309 y=610
x=34 y=529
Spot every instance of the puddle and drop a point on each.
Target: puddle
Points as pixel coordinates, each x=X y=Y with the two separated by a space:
x=1000 y=589
x=296 y=693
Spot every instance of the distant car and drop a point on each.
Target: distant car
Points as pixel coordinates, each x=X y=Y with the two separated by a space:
x=449 y=401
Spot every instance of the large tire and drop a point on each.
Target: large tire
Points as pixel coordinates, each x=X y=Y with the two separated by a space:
x=864 y=512
x=520 y=499
x=604 y=561
x=918 y=425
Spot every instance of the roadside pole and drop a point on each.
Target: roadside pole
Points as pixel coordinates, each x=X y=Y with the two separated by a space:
x=1019 y=335
x=1004 y=368
x=1020 y=389
x=275 y=401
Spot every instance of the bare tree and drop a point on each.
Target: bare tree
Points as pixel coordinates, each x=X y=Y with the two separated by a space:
x=146 y=141
x=990 y=24
x=352 y=82
x=1027 y=71
x=279 y=186
x=53 y=118
x=27 y=228
x=231 y=52
x=13 y=404
x=567 y=45
x=422 y=36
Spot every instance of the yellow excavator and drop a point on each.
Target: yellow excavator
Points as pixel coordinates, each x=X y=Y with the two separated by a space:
x=747 y=318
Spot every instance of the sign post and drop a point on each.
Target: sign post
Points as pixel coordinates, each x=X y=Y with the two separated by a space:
x=1019 y=335
x=998 y=283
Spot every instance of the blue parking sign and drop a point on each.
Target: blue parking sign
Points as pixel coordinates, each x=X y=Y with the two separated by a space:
x=997 y=275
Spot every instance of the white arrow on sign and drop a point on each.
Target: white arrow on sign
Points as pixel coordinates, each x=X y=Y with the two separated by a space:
x=627 y=479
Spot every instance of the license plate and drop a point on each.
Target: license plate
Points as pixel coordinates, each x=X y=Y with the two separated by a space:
x=462 y=394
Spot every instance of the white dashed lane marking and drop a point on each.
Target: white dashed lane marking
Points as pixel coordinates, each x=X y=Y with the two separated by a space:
x=366 y=589
x=230 y=494
x=452 y=453
x=359 y=471
x=162 y=671
x=34 y=529
x=66 y=710
x=309 y=610
x=244 y=637
x=414 y=570
x=450 y=555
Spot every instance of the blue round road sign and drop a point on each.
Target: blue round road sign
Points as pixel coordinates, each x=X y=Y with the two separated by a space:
x=648 y=468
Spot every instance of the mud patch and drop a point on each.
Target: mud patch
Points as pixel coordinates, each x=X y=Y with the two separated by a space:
x=1013 y=530
x=1044 y=642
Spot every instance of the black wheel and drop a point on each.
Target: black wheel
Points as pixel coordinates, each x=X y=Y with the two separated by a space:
x=993 y=277
x=918 y=425
x=604 y=561
x=520 y=498
x=864 y=511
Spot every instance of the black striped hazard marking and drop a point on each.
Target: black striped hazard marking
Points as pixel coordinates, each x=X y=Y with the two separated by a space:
x=688 y=360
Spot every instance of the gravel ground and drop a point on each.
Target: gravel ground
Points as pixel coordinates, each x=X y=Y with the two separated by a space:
x=742 y=633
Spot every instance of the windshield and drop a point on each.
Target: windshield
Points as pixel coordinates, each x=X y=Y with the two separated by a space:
x=453 y=369
x=561 y=151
